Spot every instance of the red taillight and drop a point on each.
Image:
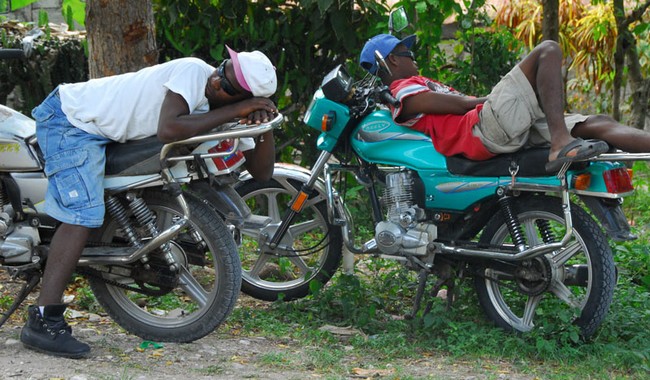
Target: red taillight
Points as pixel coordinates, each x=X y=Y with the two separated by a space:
x=618 y=181
x=225 y=162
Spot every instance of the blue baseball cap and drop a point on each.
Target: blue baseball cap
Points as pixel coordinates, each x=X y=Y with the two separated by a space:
x=384 y=43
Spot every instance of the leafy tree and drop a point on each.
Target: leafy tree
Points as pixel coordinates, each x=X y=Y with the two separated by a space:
x=596 y=38
x=305 y=40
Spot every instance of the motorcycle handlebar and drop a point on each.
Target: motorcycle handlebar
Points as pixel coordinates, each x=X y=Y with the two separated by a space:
x=11 y=53
x=236 y=132
x=386 y=97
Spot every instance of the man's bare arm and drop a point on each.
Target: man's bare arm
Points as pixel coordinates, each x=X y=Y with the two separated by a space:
x=437 y=103
x=176 y=123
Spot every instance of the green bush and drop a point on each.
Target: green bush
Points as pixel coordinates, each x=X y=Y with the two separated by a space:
x=54 y=60
x=304 y=39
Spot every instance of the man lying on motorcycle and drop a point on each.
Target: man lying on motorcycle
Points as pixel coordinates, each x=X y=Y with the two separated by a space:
x=525 y=108
x=174 y=100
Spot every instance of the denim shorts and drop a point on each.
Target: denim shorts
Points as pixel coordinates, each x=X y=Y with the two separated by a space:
x=74 y=165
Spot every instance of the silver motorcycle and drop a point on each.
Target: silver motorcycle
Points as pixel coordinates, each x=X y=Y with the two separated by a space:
x=164 y=265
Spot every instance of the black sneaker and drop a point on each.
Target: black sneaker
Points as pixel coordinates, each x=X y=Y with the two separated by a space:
x=50 y=334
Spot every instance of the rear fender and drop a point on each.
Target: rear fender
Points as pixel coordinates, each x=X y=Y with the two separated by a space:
x=610 y=214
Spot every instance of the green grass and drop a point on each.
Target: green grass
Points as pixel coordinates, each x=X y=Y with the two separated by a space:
x=374 y=301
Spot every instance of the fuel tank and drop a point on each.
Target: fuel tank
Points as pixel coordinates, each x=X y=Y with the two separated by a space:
x=379 y=140
x=15 y=152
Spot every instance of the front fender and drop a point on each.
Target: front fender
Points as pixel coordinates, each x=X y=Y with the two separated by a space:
x=282 y=172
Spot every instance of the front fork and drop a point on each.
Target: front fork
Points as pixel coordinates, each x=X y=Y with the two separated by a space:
x=298 y=202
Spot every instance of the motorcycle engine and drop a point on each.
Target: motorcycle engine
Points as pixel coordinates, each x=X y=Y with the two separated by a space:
x=404 y=230
x=16 y=240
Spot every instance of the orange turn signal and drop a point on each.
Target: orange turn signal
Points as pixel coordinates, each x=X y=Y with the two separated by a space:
x=582 y=181
x=327 y=121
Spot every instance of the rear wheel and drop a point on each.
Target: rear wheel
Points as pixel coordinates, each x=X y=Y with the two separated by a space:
x=310 y=250
x=574 y=284
x=160 y=305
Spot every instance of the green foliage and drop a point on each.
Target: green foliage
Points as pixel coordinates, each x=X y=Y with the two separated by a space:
x=74 y=10
x=482 y=57
x=43 y=18
x=304 y=40
x=52 y=62
x=17 y=4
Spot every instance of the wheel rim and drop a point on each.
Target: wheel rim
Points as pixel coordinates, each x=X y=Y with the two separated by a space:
x=519 y=309
x=302 y=251
x=197 y=284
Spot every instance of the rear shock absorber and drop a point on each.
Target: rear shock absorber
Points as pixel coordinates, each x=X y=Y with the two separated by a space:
x=118 y=212
x=147 y=219
x=512 y=222
x=544 y=227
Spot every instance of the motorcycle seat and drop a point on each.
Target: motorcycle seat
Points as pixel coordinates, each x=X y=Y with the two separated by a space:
x=531 y=163
x=136 y=157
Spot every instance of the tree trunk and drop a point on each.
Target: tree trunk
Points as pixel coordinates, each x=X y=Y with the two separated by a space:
x=626 y=47
x=550 y=21
x=121 y=36
x=619 y=58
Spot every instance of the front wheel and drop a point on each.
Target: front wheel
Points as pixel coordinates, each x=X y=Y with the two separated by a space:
x=574 y=284
x=310 y=250
x=158 y=304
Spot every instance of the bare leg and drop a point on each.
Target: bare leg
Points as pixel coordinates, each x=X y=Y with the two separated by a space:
x=605 y=128
x=543 y=69
x=67 y=244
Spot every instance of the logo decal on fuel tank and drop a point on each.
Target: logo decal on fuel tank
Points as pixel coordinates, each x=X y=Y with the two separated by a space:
x=374 y=132
x=461 y=187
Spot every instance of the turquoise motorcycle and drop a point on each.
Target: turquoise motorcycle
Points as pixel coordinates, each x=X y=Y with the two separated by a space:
x=515 y=229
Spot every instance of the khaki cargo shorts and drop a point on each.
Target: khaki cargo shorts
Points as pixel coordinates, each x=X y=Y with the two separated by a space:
x=511 y=117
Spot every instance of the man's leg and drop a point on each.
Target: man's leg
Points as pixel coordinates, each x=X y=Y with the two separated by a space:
x=616 y=134
x=543 y=69
x=65 y=249
x=46 y=329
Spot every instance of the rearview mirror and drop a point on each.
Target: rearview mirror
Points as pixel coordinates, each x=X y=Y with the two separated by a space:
x=398 y=20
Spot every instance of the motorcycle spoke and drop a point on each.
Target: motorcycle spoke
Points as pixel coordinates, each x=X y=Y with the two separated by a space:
x=530 y=228
x=566 y=253
x=274 y=208
x=300 y=264
x=192 y=287
x=529 y=312
x=563 y=293
x=259 y=265
x=304 y=227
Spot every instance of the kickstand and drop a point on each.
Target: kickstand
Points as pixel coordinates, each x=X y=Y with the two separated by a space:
x=434 y=293
x=30 y=283
x=422 y=283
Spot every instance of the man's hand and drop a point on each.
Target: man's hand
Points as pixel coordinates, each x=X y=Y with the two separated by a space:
x=257 y=110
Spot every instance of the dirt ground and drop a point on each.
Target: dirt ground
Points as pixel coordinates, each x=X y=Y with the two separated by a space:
x=220 y=355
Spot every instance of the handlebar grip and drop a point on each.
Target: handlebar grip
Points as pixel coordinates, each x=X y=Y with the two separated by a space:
x=11 y=53
x=387 y=98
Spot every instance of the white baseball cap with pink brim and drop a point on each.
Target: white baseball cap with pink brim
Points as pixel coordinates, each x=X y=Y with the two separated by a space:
x=254 y=72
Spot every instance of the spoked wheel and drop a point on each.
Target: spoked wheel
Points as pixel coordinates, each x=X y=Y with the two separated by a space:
x=574 y=284
x=310 y=250
x=159 y=304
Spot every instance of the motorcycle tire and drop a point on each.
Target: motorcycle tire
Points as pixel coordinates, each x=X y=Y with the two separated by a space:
x=575 y=284
x=205 y=292
x=316 y=245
